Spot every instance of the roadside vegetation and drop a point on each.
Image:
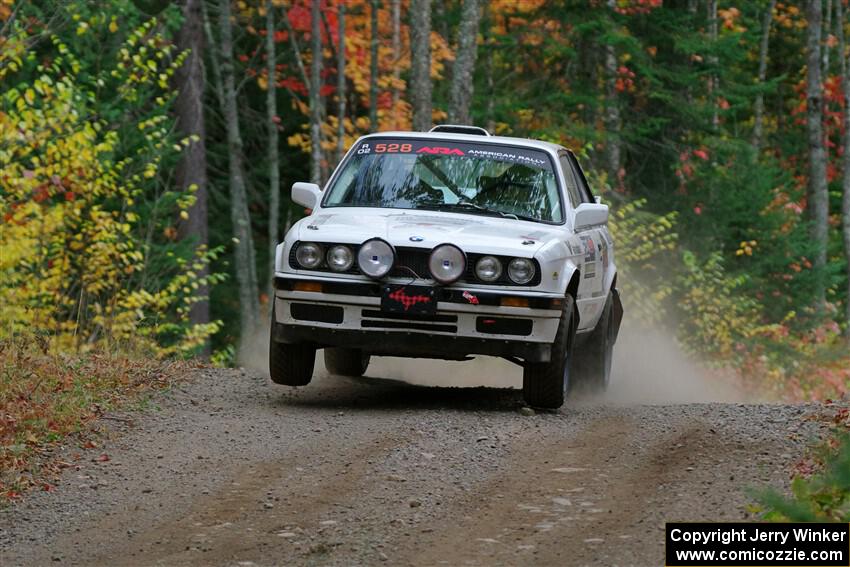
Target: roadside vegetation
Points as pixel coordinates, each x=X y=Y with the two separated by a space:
x=147 y=148
x=820 y=491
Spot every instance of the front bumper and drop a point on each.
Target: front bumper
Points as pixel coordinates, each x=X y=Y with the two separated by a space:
x=348 y=314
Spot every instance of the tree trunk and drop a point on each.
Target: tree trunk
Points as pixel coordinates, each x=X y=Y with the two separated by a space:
x=373 y=66
x=827 y=26
x=315 y=89
x=819 y=204
x=487 y=32
x=845 y=185
x=420 y=67
x=712 y=60
x=758 y=121
x=274 y=157
x=612 y=110
x=192 y=168
x=340 y=82
x=246 y=266
x=463 y=71
x=396 y=43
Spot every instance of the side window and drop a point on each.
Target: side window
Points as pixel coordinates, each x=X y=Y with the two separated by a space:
x=587 y=196
x=569 y=178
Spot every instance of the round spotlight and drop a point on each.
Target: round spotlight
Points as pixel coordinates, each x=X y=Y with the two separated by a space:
x=488 y=269
x=309 y=255
x=376 y=258
x=521 y=270
x=447 y=263
x=340 y=258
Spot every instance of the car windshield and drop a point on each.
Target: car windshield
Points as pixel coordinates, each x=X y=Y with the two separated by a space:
x=487 y=179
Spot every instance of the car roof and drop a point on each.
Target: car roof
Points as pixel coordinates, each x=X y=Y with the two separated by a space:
x=472 y=138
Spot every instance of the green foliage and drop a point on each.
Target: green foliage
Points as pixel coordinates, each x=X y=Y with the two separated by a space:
x=823 y=497
x=85 y=200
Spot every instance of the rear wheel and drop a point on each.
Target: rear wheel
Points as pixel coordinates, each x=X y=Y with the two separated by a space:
x=290 y=365
x=546 y=384
x=346 y=361
x=592 y=368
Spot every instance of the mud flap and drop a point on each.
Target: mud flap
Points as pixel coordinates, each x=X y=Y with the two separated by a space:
x=616 y=312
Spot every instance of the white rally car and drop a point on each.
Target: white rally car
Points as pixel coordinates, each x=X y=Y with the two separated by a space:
x=449 y=244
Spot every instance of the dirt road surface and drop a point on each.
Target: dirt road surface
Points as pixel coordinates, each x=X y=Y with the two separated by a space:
x=228 y=469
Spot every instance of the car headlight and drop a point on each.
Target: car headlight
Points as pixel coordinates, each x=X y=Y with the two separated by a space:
x=340 y=258
x=309 y=255
x=447 y=263
x=488 y=268
x=521 y=270
x=375 y=258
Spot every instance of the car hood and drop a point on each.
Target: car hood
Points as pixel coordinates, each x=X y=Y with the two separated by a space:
x=426 y=229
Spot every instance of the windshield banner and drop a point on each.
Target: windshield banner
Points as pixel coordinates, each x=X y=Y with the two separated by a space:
x=494 y=152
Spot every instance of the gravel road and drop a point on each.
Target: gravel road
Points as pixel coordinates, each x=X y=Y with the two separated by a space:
x=228 y=469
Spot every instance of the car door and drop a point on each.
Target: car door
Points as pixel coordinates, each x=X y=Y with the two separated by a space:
x=596 y=242
x=606 y=242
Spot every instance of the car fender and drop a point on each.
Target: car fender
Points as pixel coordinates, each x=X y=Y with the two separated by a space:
x=559 y=266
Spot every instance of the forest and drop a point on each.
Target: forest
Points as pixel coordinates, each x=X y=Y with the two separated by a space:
x=147 y=149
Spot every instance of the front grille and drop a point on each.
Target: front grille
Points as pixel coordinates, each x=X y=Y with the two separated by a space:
x=437 y=323
x=412 y=259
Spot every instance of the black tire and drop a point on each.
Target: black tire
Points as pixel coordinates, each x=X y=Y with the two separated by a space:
x=346 y=361
x=290 y=365
x=592 y=368
x=546 y=384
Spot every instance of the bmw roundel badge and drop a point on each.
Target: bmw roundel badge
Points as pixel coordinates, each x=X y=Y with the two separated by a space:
x=416 y=239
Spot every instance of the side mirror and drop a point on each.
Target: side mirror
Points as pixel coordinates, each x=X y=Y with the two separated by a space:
x=590 y=214
x=306 y=194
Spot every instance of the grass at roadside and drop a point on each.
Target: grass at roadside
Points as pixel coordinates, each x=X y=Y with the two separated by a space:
x=46 y=397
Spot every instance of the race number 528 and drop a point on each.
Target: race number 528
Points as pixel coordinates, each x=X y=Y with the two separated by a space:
x=393 y=148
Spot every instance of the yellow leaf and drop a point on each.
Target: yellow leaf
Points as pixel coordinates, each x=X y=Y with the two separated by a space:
x=113 y=26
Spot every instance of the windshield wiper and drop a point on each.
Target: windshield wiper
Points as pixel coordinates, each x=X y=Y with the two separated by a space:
x=470 y=205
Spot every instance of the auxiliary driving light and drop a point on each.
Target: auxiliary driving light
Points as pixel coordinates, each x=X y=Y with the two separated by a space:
x=376 y=258
x=447 y=263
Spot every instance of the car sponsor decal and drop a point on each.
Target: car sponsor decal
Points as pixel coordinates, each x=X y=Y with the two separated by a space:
x=470 y=298
x=531 y=157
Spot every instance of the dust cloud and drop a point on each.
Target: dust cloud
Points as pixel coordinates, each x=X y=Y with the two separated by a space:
x=649 y=368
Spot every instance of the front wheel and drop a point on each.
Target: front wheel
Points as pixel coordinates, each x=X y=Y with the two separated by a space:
x=592 y=368
x=346 y=361
x=546 y=384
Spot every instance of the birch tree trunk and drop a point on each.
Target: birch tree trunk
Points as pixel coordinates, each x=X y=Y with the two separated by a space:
x=274 y=156
x=340 y=82
x=246 y=266
x=612 y=109
x=845 y=181
x=315 y=87
x=373 y=66
x=818 y=204
x=758 y=121
x=420 y=67
x=192 y=168
x=396 y=44
x=463 y=72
